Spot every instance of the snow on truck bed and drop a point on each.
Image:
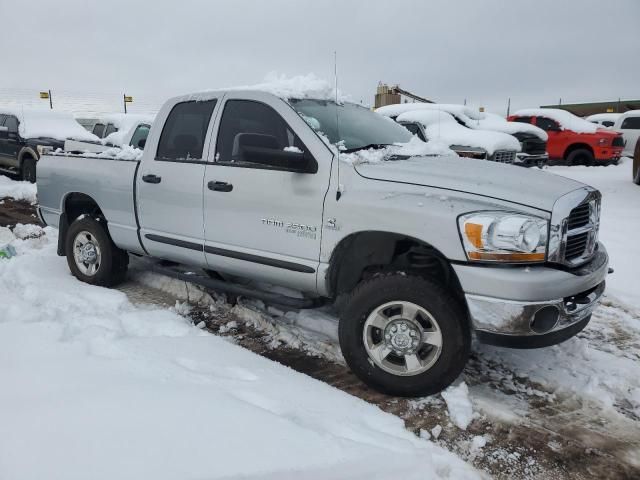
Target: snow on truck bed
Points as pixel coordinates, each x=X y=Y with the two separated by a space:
x=95 y=387
x=48 y=124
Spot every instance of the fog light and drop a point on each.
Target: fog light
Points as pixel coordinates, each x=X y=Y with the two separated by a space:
x=545 y=319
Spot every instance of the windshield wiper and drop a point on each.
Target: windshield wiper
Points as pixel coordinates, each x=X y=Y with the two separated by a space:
x=376 y=146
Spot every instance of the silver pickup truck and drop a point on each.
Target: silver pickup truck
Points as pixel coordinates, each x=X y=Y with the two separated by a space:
x=417 y=253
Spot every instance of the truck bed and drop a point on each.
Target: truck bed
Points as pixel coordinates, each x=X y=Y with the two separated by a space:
x=110 y=182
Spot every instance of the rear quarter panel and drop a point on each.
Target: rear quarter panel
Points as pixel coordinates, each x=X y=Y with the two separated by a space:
x=109 y=182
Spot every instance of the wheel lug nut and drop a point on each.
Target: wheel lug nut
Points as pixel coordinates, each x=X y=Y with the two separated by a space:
x=403 y=326
x=394 y=329
x=387 y=336
x=412 y=333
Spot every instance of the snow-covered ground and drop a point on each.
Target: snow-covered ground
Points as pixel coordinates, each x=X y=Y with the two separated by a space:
x=92 y=386
x=95 y=387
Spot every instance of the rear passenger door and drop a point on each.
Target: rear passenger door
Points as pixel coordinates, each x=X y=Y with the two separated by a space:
x=169 y=184
x=262 y=220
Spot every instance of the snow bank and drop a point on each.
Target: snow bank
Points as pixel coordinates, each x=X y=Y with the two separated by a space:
x=459 y=405
x=18 y=190
x=49 y=124
x=567 y=120
x=101 y=389
x=441 y=126
x=414 y=148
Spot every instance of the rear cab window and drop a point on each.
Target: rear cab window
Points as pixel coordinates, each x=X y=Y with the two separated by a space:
x=185 y=131
x=111 y=128
x=11 y=123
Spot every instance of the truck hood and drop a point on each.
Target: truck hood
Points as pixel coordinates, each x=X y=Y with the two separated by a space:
x=533 y=188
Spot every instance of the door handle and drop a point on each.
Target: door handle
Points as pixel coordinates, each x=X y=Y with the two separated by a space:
x=219 y=186
x=151 y=178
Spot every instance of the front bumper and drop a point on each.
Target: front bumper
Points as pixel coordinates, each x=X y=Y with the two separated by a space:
x=531 y=307
x=528 y=160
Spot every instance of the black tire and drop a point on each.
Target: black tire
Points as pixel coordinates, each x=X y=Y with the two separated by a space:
x=581 y=156
x=28 y=170
x=112 y=267
x=442 y=305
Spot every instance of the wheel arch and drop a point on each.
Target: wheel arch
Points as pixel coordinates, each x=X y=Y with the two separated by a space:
x=365 y=253
x=577 y=146
x=74 y=205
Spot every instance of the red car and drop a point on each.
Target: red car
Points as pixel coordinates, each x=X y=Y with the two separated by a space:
x=572 y=139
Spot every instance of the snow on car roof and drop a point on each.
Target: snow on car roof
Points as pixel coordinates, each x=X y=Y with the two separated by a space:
x=470 y=117
x=612 y=117
x=48 y=124
x=443 y=127
x=566 y=120
x=298 y=87
x=500 y=124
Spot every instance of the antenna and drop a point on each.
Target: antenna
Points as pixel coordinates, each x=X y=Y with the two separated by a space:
x=335 y=76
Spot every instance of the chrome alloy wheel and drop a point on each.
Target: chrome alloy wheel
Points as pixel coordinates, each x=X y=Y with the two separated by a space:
x=86 y=253
x=402 y=338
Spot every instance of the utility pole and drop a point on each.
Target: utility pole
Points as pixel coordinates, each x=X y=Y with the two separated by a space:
x=508 y=106
x=50 y=100
x=124 y=102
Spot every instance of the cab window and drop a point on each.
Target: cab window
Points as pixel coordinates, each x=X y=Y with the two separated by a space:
x=98 y=130
x=523 y=119
x=249 y=130
x=547 y=124
x=631 y=123
x=414 y=129
x=111 y=128
x=184 y=132
x=11 y=123
x=140 y=135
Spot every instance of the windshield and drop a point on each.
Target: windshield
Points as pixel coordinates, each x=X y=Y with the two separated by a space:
x=359 y=127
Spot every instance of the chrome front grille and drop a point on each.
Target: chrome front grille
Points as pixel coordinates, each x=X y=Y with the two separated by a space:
x=581 y=237
x=504 y=156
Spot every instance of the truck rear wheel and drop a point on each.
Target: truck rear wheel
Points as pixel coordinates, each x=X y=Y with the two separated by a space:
x=404 y=335
x=28 y=170
x=581 y=156
x=91 y=254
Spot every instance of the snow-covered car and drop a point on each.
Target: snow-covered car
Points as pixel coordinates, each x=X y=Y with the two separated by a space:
x=419 y=250
x=436 y=125
x=135 y=137
x=533 y=140
x=628 y=124
x=606 y=120
x=107 y=124
x=25 y=133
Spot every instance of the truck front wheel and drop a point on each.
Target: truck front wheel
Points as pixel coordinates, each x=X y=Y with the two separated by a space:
x=404 y=335
x=91 y=254
x=581 y=156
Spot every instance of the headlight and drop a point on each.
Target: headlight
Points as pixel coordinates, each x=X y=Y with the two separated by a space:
x=43 y=149
x=503 y=237
x=603 y=142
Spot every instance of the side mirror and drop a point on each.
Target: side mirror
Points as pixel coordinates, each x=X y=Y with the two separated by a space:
x=4 y=132
x=265 y=150
x=141 y=143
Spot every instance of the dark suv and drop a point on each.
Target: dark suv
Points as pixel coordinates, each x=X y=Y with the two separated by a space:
x=24 y=134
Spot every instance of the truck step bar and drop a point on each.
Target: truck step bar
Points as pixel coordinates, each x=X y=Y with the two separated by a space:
x=233 y=288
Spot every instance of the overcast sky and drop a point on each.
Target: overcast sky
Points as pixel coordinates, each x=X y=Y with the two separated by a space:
x=485 y=51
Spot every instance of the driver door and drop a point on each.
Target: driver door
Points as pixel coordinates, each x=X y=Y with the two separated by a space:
x=263 y=220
